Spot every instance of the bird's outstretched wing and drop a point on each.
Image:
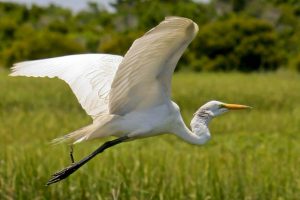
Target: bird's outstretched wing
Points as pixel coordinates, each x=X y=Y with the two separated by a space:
x=89 y=76
x=143 y=78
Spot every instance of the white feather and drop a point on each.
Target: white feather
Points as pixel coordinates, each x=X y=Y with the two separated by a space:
x=143 y=79
x=89 y=75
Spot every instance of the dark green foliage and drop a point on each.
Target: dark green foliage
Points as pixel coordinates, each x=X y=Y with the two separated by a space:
x=38 y=47
x=234 y=35
x=243 y=44
x=36 y=33
x=238 y=5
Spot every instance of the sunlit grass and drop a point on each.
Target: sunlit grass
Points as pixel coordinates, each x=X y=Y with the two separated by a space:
x=252 y=155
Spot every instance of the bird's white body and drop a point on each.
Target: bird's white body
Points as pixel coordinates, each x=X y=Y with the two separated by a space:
x=161 y=119
x=152 y=121
x=165 y=118
x=130 y=96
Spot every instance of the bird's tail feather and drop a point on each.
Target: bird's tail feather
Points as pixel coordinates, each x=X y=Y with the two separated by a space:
x=75 y=136
x=101 y=127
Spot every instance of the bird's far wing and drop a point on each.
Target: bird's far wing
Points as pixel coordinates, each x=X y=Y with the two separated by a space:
x=143 y=78
x=89 y=76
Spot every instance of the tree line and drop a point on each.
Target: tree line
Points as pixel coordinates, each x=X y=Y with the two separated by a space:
x=239 y=35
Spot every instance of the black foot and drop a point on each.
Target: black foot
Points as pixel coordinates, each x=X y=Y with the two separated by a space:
x=58 y=176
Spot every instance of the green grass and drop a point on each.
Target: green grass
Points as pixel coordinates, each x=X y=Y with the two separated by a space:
x=252 y=155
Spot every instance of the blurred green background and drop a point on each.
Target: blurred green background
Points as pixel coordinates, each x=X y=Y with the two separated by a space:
x=245 y=52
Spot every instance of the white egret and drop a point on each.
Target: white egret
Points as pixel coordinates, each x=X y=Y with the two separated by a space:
x=129 y=97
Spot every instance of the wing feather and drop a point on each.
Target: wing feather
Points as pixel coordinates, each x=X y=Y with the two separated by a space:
x=143 y=78
x=89 y=76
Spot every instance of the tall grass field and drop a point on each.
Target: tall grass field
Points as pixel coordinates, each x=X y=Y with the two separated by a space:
x=253 y=154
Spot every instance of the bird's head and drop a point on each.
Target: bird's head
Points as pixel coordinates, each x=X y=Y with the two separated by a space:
x=215 y=108
x=205 y=114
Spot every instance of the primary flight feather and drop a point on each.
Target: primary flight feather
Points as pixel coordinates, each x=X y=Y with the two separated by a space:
x=129 y=97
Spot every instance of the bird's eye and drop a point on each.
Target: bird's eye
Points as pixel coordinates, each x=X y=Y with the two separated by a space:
x=221 y=106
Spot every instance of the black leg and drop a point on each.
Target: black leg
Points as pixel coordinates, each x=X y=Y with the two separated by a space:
x=71 y=153
x=58 y=176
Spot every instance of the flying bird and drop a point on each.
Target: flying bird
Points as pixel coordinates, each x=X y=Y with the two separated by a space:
x=129 y=97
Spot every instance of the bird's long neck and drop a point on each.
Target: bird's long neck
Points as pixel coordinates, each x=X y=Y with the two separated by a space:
x=200 y=133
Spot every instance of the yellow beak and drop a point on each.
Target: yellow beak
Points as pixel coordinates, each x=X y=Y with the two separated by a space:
x=235 y=106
